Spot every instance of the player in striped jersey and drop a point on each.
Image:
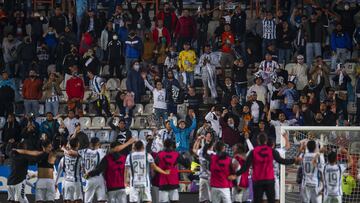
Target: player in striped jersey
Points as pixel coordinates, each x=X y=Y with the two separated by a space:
x=70 y=165
x=138 y=165
x=311 y=182
x=90 y=158
x=332 y=173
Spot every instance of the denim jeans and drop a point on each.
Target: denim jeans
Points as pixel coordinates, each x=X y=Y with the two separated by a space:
x=241 y=91
x=284 y=55
x=52 y=107
x=190 y=78
x=313 y=49
x=31 y=106
x=160 y=113
x=265 y=43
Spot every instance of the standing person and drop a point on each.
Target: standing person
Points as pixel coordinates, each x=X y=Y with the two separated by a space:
x=300 y=70
x=332 y=173
x=314 y=31
x=10 y=45
x=25 y=54
x=341 y=46
x=112 y=166
x=182 y=134
x=238 y=24
x=174 y=92
x=18 y=171
x=168 y=17
x=58 y=21
x=185 y=29
x=310 y=184
x=32 y=93
x=106 y=36
x=240 y=79
x=202 y=20
x=98 y=86
x=138 y=164
x=50 y=127
x=123 y=134
x=7 y=94
x=115 y=56
x=261 y=159
x=269 y=31
x=134 y=81
x=51 y=92
x=75 y=90
x=228 y=42
x=168 y=159
x=221 y=170
x=70 y=122
x=186 y=64
x=208 y=63
x=133 y=49
x=285 y=38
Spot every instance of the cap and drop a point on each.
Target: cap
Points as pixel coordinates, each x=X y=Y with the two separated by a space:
x=292 y=79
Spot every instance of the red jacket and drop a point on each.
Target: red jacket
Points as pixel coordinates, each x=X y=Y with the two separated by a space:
x=165 y=33
x=75 y=88
x=186 y=27
x=32 y=89
x=161 y=16
x=228 y=40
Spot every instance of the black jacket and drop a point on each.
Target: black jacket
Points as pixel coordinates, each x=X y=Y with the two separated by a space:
x=85 y=22
x=11 y=131
x=58 y=23
x=115 y=50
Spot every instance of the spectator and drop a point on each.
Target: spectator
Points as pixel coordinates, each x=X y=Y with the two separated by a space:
x=160 y=31
x=140 y=18
x=259 y=88
x=75 y=89
x=7 y=94
x=36 y=22
x=58 y=22
x=90 y=23
x=51 y=92
x=202 y=20
x=10 y=45
x=186 y=64
x=229 y=91
x=290 y=93
x=70 y=35
x=267 y=68
x=81 y=136
x=168 y=17
x=115 y=56
x=208 y=62
x=30 y=135
x=314 y=32
x=122 y=133
x=11 y=130
x=230 y=133
x=106 y=36
x=32 y=93
x=228 y=41
x=134 y=81
x=238 y=24
x=346 y=15
x=70 y=122
x=42 y=53
x=51 y=41
x=133 y=49
x=341 y=46
x=318 y=69
x=174 y=93
x=268 y=30
x=185 y=30
x=171 y=60
x=71 y=59
x=149 y=50
x=119 y=18
x=182 y=134
x=50 y=126
x=300 y=70
x=285 y=38
x=99 y=92
x=194 y=100
x=214 y=118
x=240 y=79
x=25 y=56
x=256 y=108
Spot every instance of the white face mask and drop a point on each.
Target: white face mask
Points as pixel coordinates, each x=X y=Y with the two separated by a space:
x=136 y=67
x=346 y=7
x=115 y=37
x=61 y=130
x=231 y=125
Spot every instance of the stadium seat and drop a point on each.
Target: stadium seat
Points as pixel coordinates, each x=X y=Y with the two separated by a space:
x=115 y=121
x=123 y=85
x=103 y=135
x=144 y=133
x=2 y=122
x=113 y=108
x=87 y=94
x=85 y=122
x=134 y=134
x=139 y=122
x=113 y=95
x=89 y=133
x=181 y=111
x=138 y=110
x=113 y=84
x=149 y=109
x=98 y=122
x=40 y=119
x=42 y=109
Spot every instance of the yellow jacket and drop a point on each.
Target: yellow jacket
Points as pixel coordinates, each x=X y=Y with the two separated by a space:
x=187 y=61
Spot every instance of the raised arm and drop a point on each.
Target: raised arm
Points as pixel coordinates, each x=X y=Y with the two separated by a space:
x=123 y=146
x=147 y=84
x=281 y=160
x=59 y=170
x=247 y=164
x=28 y=152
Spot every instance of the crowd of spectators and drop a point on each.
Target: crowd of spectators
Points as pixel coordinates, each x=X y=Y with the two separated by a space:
x=297 y=65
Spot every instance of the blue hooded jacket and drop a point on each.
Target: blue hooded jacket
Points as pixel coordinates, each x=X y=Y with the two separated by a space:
x=182 y=136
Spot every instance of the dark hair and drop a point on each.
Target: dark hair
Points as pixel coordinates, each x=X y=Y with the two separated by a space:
x=168 y=144
x=49 y=113
x=240 y=148
x=332 y=157
x=311 y=145
x=114 y=144
x=262 y=138
x=139 y=145
x=73 y=142
x=219 y=146
x=270 y=142
x=45 y=143
x=94 y=141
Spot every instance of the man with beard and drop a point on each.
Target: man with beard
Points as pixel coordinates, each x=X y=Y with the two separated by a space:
x=122 y=133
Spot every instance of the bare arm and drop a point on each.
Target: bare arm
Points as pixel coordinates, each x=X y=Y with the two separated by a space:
x=158 y=169
x=196 y=146
x=123 y=146
x=28 y=152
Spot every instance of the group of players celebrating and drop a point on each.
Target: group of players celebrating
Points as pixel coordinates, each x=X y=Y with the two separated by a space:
x=128 y=172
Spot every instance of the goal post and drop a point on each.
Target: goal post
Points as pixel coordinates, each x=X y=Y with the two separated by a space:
x=329 y=137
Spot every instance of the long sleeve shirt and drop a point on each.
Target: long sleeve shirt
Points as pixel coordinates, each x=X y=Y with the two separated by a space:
x=182 y=136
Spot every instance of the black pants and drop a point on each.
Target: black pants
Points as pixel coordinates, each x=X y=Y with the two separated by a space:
x=358 y=110
x=115 y=67
x=259 y=187
x=6 y=108
x=102 y=104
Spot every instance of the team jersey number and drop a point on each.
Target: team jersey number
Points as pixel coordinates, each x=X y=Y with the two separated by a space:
x=308 y=167
x=139 y=167
x=89 y=164
x=70 y=164
x=332 y=179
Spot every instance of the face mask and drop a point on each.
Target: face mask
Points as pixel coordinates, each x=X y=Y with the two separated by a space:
x=304 y=109
x=136 y=67
x=231 y=125
x=228 y=85
x=346 y=7
x=50 y=33
x=115 y=37
x=61 y=130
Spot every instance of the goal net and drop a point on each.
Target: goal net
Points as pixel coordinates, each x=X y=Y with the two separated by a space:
x=328 y=139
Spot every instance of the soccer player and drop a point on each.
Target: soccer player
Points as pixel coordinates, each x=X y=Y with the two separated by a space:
x=113 y=166
x=138 y=164
x=90 y=158
x=261 y=160
x=169 y=184
x=70 y=165
x=311 y=183
x=221 y=170
x=333 y=172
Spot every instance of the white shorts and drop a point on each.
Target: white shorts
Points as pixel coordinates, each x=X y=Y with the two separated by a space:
x=17 y=192
x=220 y=195
x=94 y=185
x=240 y=196
x=45 y=189
x=204 y=190
x=116 y=196
x=72 y=191
x=140 y=194
x=332 y=199
x=277 y=190
x=168 y=195
x=311 y=194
